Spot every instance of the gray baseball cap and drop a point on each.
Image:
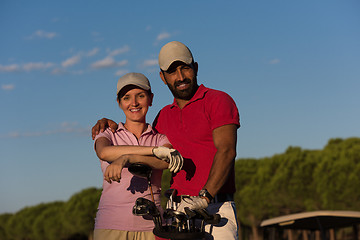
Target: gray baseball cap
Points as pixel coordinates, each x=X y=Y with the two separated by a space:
x=172 y=52
x=137 y=79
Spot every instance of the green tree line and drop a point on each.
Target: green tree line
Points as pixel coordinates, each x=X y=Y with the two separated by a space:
x=295 y=181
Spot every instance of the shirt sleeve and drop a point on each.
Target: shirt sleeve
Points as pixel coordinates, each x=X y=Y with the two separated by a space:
x=163 y=140
x=222 y=110
x=107 y=134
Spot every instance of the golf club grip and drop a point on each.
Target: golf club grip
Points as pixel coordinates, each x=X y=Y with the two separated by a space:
x=209 y=218
x=189 y=212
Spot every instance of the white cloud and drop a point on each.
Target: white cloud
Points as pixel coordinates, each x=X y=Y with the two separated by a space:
x=97 y=37
x=43 y=34
x=7 y=87
x=121 y=72
x=274 y=61
x=71 y=61
x=78 y=72
x=163 y=36
x=27 y=67
x=58 y=71
x=9 y=68
x=12 y=135
x=65 y=127
x=104 y=63
x=122 y=63
x=150 y=62
x=119 y=51
x=92 y=52
x=108 y=62
x=36 y=66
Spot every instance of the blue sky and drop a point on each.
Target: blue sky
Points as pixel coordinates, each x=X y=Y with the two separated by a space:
x=292 y=67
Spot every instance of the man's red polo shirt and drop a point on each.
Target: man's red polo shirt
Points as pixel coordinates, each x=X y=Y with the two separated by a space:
x=190 y=132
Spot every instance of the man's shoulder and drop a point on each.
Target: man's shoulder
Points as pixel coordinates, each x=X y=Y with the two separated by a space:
x=166 y=108
x=163 y=113
x=216 y=92
x=217 y=95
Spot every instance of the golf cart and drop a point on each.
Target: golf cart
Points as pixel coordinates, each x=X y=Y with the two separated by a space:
x=325 y=223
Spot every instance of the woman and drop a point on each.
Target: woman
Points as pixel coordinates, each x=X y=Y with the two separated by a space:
x=133 y=142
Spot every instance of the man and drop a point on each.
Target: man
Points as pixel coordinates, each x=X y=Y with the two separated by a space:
x=202 y=125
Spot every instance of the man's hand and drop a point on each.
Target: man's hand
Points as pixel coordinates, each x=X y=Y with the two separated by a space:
x=192 y=202
x=113 y=171
x=101 y=125
x=172 y=156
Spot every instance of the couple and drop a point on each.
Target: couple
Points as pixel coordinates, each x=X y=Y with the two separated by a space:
x=201 y=124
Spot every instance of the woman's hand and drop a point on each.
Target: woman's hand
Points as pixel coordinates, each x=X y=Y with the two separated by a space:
x=113 y=171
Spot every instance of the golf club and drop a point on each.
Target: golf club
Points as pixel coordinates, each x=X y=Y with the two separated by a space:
x=180 y=217
x=171 y=194
x=144 y=171
x=143 y=207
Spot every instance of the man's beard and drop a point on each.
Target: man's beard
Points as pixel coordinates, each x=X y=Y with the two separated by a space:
x=187 y=93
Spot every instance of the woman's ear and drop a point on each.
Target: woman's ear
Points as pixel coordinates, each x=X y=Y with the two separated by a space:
x=151 y=99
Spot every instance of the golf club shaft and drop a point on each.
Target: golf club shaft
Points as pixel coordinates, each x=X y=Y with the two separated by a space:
x=152 y=194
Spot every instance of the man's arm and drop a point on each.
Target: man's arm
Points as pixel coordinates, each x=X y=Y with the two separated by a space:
x=101 y=125
x=225 y=142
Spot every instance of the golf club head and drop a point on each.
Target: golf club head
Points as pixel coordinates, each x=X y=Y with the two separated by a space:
x=181 y=219
x=140 y=170
x=208 y=218
x=170 y=193
x=142 y=201
x=140 y=210
x=144 y=206
x=191 y=213
x=169 y=213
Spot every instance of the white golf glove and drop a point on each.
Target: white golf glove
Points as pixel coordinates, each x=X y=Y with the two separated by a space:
x=171 y=156
x=192 y=202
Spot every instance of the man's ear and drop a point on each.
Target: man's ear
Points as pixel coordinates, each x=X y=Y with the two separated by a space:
x=163 y=77
x=196 y=67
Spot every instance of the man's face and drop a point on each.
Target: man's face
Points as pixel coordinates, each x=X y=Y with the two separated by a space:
x=181 y=80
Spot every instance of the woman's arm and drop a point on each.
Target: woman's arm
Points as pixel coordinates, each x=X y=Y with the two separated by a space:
x=107 y=152
x=161 y=158
x=113 y=171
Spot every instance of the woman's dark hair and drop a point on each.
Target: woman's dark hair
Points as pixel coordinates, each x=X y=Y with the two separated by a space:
x=127 y=88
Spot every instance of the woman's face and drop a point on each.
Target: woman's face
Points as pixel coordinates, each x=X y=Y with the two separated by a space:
x=135 y=104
